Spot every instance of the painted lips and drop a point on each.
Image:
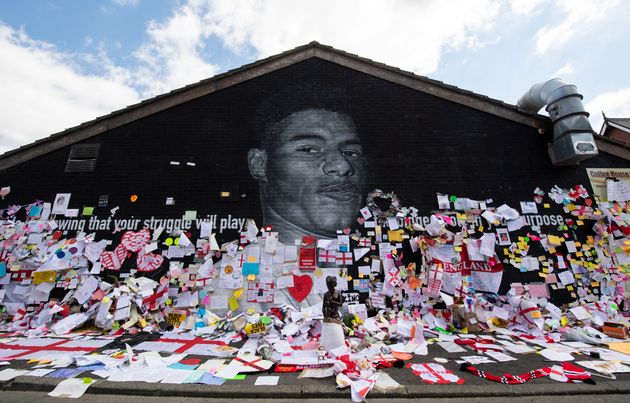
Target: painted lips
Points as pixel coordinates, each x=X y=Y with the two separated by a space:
x=342 y=193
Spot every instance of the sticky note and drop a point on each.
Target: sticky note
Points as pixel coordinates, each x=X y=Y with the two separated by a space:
x=35 y=211
x=48 y=276
x=87 y=211
x=190 y=215
x=233 y=303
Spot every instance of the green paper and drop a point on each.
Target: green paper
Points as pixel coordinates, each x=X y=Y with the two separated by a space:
x=88 y=211
x=190 y=215
x=265 y=320
x=238 y=377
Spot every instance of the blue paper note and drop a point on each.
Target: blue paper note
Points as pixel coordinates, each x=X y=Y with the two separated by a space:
x=66 y=373
x=179 y=365
x=250 y=268
x=34 y=211
x=209 y=379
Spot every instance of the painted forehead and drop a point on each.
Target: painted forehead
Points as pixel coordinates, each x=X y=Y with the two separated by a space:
x=316 y=123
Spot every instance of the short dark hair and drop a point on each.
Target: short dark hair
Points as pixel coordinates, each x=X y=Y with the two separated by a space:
x=294 y=98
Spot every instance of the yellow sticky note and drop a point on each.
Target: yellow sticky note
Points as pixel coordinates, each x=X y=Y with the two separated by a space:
x=233 y=303
x=554 y=240
x=48 y=276
x=395 y=236
x=546 y=205
x=237 y=293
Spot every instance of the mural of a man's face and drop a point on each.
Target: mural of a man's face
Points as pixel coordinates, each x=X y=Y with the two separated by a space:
x=312 y=171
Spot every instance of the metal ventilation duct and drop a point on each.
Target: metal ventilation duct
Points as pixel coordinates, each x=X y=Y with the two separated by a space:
x=572 y=133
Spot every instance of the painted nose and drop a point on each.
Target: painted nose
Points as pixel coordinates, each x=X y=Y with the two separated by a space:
x=338 y=165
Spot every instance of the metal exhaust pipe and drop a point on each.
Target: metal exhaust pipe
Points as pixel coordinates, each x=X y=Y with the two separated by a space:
x=572 y=132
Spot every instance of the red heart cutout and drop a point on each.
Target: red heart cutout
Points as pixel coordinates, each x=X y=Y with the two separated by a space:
x=134 y=241
x=347 y=231
x=149 y=261
x=302 y=286
x=113 y=260
x=361 y=220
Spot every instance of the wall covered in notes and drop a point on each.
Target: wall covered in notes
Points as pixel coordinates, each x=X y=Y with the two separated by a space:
x=317 y=137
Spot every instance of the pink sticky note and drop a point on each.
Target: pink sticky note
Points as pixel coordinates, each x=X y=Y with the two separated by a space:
x=551 y=278
x=538 y=290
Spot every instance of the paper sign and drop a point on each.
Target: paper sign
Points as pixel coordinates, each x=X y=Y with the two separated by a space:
x=175 y=318
x=61 y=202
x=267 y=380
x=44 y=277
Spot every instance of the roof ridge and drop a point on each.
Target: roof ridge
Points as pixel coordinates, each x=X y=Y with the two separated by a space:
x=213 y=83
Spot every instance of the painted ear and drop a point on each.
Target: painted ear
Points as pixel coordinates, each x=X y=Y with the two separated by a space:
x=257 y=160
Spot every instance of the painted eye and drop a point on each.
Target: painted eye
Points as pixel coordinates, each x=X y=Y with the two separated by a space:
x=351 y=153
x=308 y=150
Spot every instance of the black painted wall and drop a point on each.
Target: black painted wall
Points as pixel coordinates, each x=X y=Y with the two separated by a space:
x=417 y=144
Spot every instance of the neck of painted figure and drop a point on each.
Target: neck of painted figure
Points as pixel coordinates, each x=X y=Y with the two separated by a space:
x=287 y=231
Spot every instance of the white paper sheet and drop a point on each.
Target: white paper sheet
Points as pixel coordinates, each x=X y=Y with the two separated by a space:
x=72 y=387
x=10 y=373
x=267 y=380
